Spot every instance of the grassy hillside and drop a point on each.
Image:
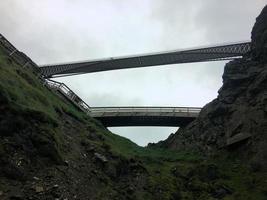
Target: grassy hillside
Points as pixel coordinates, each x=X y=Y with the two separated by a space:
x=49 y=149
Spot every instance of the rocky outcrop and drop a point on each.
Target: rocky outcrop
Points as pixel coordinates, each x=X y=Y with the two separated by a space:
x=259 y=37
x=237 y=118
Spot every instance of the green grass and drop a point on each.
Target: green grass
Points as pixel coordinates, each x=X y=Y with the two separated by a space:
x=27 y=100
x=24 y=90
x=245 y=183
x=128 y=149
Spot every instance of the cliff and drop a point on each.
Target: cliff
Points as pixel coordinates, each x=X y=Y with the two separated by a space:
x=236 y=121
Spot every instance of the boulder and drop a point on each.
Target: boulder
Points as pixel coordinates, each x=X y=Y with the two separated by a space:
x=101 y=157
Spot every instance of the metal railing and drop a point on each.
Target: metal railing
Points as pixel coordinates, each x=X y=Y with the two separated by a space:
x=144 y=111
x=68 y=93
x=121 y=111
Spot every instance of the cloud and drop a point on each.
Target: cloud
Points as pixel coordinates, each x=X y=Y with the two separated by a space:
x=228 y=21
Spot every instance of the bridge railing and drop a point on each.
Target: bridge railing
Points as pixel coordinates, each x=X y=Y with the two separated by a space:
x=68 y=93
x=133 y=111
x=148 y=108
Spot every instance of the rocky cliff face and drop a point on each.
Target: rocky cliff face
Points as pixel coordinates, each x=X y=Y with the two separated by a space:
x=259 y=37
x=237 y=118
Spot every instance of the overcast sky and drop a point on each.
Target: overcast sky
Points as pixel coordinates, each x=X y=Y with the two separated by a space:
x=54 y=31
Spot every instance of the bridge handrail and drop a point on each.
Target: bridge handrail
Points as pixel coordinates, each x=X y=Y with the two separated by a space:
x=148 y=109
x=66 y=91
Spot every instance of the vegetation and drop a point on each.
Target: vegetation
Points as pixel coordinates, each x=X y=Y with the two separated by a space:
x=24 y=90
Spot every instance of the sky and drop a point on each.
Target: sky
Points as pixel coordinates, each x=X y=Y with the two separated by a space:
x=55 y=31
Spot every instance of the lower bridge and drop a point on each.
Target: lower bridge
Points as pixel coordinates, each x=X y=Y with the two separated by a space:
x=145 y=116
x=129 y=116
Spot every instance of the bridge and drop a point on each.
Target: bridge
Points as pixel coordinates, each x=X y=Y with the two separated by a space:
x=129 y=116
x=206 y=54
x=144 y=116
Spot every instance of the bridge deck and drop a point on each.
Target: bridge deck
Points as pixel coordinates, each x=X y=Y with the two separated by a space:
x=144 y=116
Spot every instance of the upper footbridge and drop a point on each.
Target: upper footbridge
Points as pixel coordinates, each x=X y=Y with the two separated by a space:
x=205 y=54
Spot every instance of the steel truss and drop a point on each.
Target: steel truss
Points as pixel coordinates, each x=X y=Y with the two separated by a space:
x=214 y=53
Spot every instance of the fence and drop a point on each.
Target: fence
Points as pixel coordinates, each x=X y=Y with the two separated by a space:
x=68 y=93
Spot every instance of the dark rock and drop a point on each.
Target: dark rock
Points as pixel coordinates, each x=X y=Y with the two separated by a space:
x=111 y=171
x=56 y=193
x=177 y=195
x=211 y=172
x=255 y=166
x=130 y=190
x=196 y=185
x=259 y=37
x=39 y=189
x=16 y=194
x=12 y=171
x=101 y=158
x=16 y=198
x=221 y=192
